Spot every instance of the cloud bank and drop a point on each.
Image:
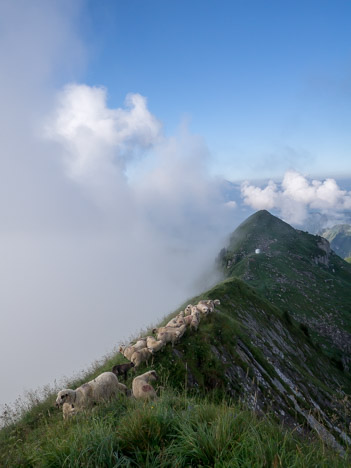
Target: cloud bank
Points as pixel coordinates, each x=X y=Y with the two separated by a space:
x=297 y=196
x=107 y=223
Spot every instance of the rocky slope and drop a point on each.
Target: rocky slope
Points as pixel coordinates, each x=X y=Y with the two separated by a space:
x=251 y=351
x=339 y=237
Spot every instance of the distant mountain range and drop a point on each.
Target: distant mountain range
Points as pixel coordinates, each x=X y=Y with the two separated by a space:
x=339 y=237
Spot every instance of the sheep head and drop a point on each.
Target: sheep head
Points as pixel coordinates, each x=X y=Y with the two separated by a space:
x=152 y=375
x=65 y=396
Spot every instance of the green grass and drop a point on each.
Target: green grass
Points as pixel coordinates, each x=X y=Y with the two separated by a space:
x=175 y=431
x=286 y=274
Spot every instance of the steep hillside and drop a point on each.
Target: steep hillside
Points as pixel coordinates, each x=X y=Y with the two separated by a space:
x=246 y=351
x=339 y=237
x=252 y=351
x=250 y=387
x=300 y=274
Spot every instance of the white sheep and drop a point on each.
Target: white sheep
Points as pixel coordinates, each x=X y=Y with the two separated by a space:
x=176 y=321
x=188 y=319
x=140 y=344
x=172 y=323
x=142 y=388
x=171 y=335
x=68 y=410
x=104 y=387
x=202 y=308
x=208 y=303
x=127 y=351
x=140 y=356
x=82 y=397
x=180 y=318
x=211 y=304
x=187 y=310
x=168 y=335
x=153 y=345
x=195 y=320
x=181 y=330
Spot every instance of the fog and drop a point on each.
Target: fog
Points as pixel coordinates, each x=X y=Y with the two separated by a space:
x=107 y=224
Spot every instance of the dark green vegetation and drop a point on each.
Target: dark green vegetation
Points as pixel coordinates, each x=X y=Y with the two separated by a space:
x=176 y=431
x=298 y=273
x=339 y=237
x=256 y=385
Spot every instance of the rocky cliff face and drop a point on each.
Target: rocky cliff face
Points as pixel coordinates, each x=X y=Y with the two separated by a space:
x=339 y=237
x=252 y=352
x=324 y=246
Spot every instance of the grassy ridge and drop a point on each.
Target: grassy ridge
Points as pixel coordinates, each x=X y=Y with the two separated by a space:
x=294 y=272
x=198 y=419
x=225 y=390
x=177 y=431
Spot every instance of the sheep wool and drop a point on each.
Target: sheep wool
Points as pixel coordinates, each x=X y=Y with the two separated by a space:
x=127 y=351
x=168 y=335
x=141 y=386
x=140 y=344
x=153 y=345
x=202 y=308
x=104 y=387
x=68 y=410
x=141 y=356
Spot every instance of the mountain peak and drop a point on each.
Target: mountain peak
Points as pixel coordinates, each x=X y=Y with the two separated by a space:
x=264 y=217
x=298 y=272
x=259 y=231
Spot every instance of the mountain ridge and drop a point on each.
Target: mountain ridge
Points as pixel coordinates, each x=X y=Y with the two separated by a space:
x=258 y=348
x=298 y=272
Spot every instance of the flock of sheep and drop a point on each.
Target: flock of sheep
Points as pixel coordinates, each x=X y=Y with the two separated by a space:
x=106 y=386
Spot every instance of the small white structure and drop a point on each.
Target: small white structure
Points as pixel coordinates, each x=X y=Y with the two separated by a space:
x=257 y=251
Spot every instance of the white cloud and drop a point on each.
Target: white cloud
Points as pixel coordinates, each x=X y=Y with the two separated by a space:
x=171 y=187
x=96 y=255
x=231 y=204
x=296 y=195
x=258 y=198
x=97 y=138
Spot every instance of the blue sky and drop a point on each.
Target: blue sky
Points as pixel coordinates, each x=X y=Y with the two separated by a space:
x=266 y=83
